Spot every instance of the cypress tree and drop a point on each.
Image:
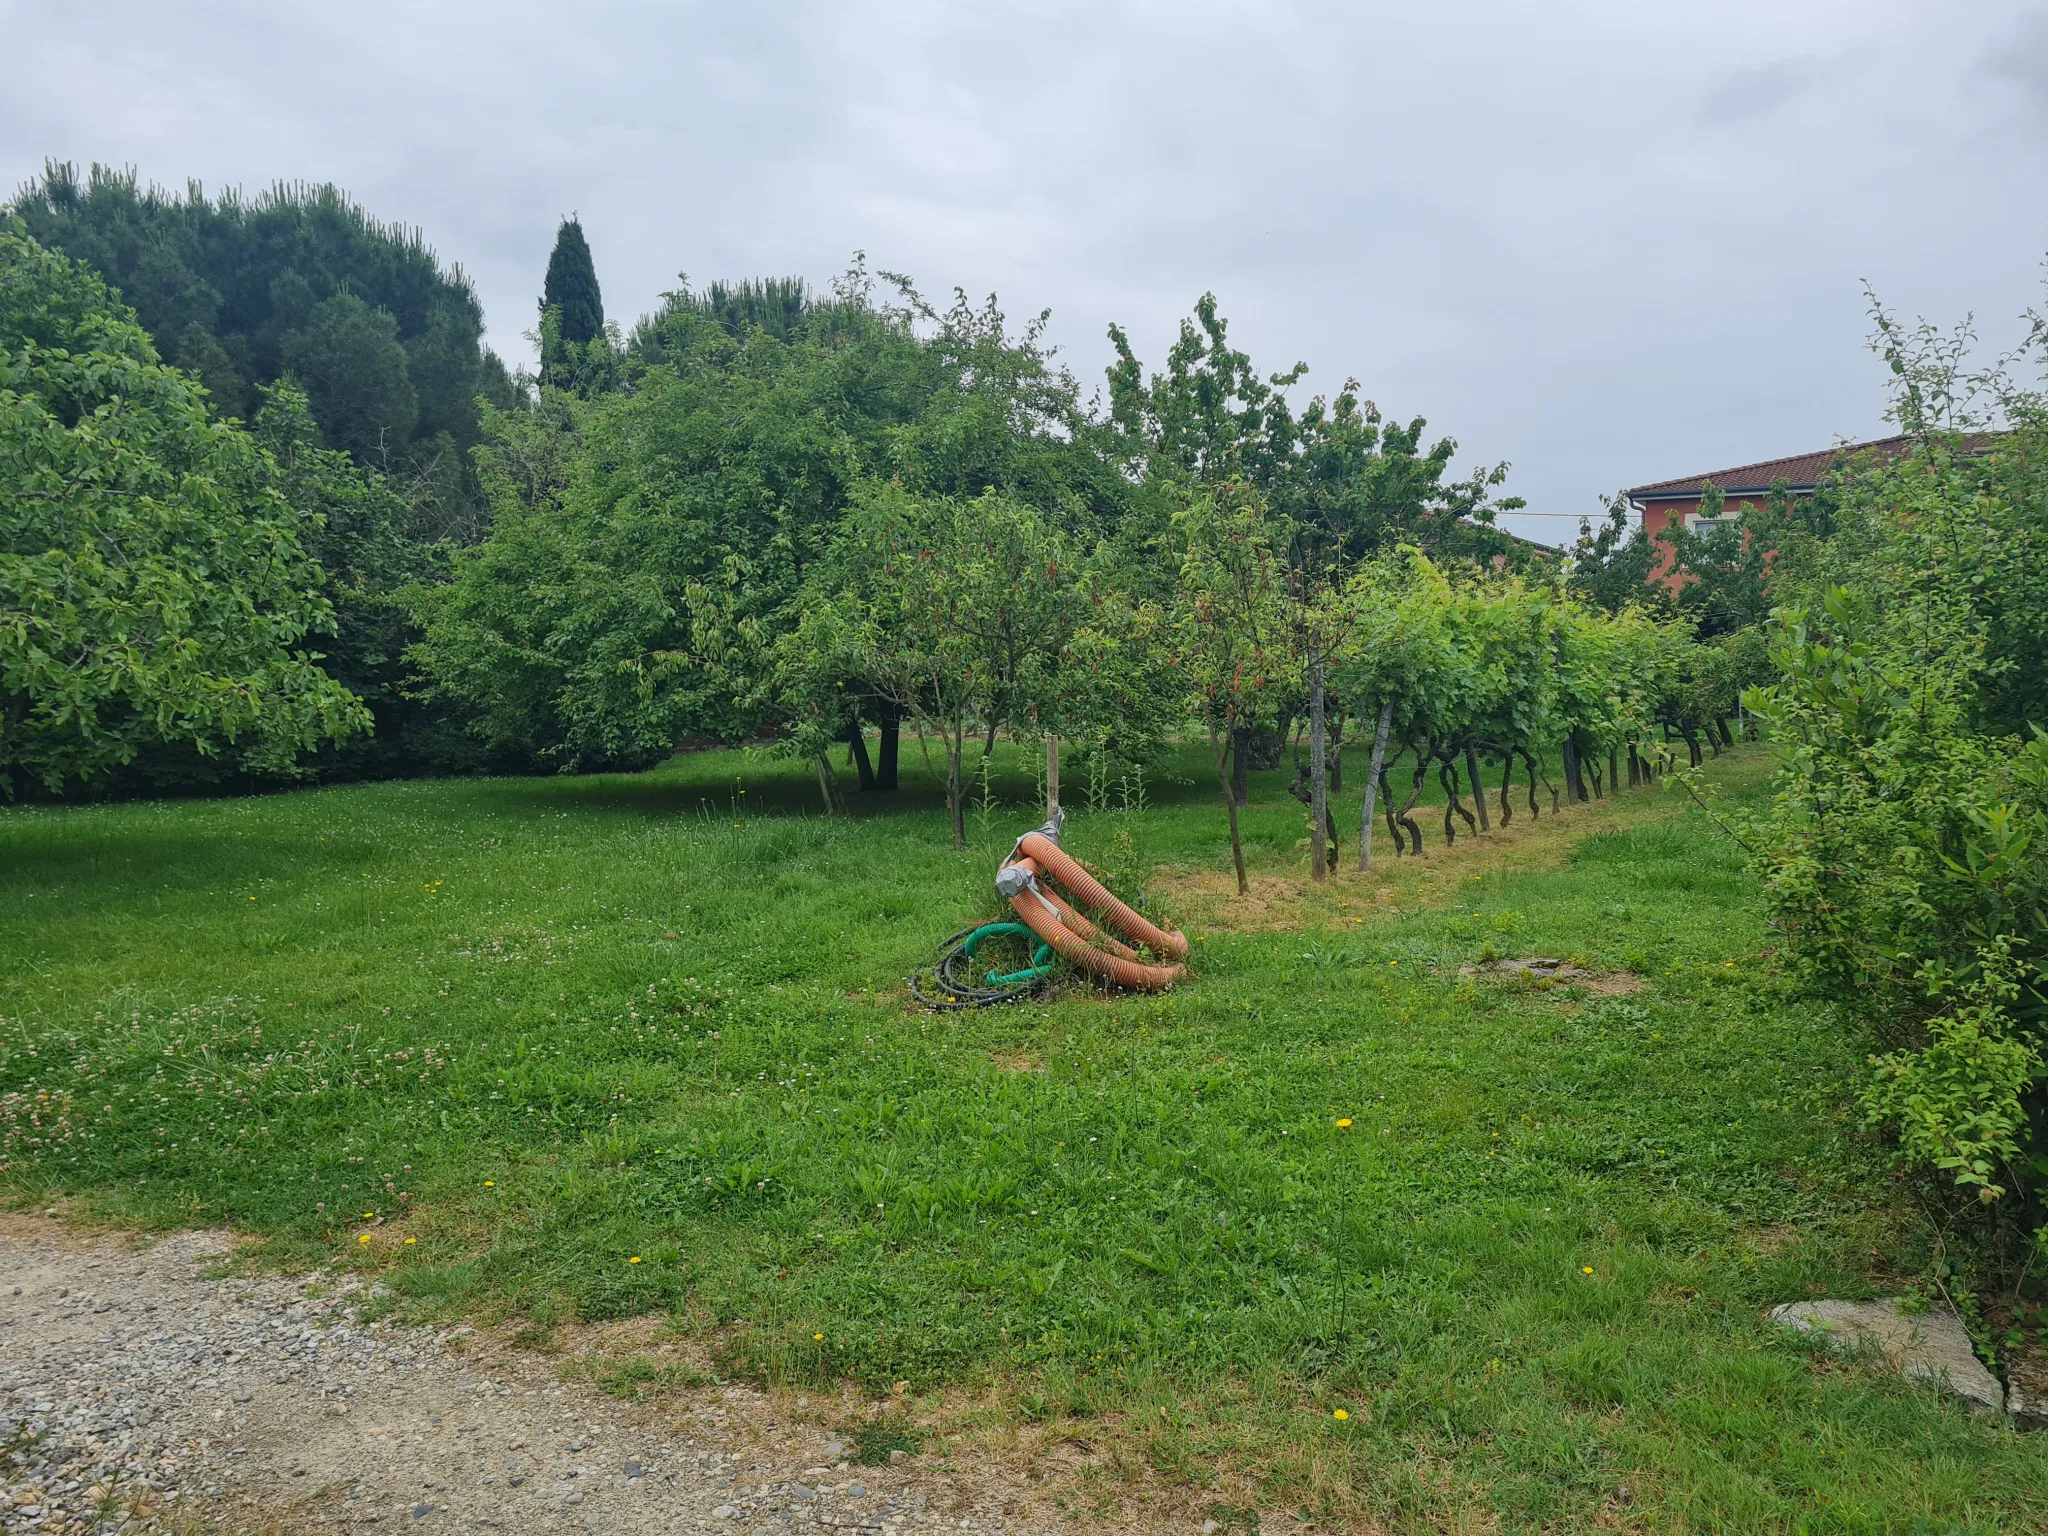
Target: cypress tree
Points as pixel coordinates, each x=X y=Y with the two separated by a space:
x=572 y=285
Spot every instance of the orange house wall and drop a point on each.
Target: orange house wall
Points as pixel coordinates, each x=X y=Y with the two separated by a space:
x=1660 y=512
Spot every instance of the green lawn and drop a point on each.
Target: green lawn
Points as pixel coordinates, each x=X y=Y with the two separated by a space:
x=545 y=1028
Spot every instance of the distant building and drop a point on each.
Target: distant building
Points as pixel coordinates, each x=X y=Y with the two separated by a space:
x=1666 y=502
x=1678 y=501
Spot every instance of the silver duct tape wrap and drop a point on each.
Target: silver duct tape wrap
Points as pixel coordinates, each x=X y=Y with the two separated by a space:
x=1050 y=830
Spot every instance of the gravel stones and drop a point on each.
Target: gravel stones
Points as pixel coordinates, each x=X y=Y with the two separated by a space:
x=131 y=1384
x=1930 y=1345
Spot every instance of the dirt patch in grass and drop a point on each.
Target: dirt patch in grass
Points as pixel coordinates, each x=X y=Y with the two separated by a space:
x=1539 y=974
x=1017 y=1060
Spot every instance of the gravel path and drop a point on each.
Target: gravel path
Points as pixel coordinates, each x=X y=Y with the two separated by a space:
x=132 y=1383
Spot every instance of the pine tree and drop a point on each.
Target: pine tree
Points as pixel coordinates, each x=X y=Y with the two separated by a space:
x=296 y=280
x=571 y=286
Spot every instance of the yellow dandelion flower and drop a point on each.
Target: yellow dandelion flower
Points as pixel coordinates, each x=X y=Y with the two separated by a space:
x=410 y=1241
x=817 y=1338
x=364 y=1238
x=634 y=1260
x=1585 y=1269
x=1340 y=1415
x=490 y=1184
x=1343 y=1125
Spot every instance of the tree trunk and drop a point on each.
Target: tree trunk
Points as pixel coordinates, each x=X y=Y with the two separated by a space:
x=1574 y=781
x=1414 y=795
x=1227 y=757
x=891 y=742
x=956 y=790
x=1614 y=769
x=1240 y=765
x=1318 y=773
x=1447 y=775
x=1529 y=762
x=857 y=739
x=1478 y=785
x=1372 y=786
x=1507 y=782
x=828 y=786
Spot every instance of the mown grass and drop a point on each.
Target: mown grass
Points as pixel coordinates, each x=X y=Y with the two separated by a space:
x=616 y=1045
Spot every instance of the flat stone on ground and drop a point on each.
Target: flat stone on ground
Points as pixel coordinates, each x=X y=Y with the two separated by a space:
x=1930 y=1345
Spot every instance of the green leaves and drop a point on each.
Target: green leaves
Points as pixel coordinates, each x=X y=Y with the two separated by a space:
x=1231 y=650
x=154 y=586
x=571 y=287
x=1957 y=1102
x=1493 y=657
x=240 y=293
x=1906 y=853
x=960 y=614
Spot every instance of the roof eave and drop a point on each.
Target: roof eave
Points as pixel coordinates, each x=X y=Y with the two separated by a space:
x=1695 y=492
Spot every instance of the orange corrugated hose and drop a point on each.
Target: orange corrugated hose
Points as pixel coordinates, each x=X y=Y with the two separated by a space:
x=1074 y=937
x=1063 y=867
x=1079 y=925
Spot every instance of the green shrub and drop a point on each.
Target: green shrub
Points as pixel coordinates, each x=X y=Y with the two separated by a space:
x=1905 y=853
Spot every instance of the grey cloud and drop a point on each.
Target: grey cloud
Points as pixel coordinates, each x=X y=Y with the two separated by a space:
x=2021 y=56
x=1756 y=90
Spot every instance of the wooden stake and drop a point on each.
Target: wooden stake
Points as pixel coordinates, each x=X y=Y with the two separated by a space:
x=1372 y=785
x=1478 y=785
x=1052 y=777
x=1318 y=771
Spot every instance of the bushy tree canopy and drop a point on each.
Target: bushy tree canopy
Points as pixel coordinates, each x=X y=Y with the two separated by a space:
x=154 y=582
x=1341 y=481
x=1906 y=850
x=240 y=292
x=631 y=593
x=959 y=614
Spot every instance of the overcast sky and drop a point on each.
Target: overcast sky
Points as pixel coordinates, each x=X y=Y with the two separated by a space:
x=1610 y=242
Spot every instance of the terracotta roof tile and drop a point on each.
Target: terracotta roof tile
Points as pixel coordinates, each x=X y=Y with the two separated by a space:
x=1802 y=471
